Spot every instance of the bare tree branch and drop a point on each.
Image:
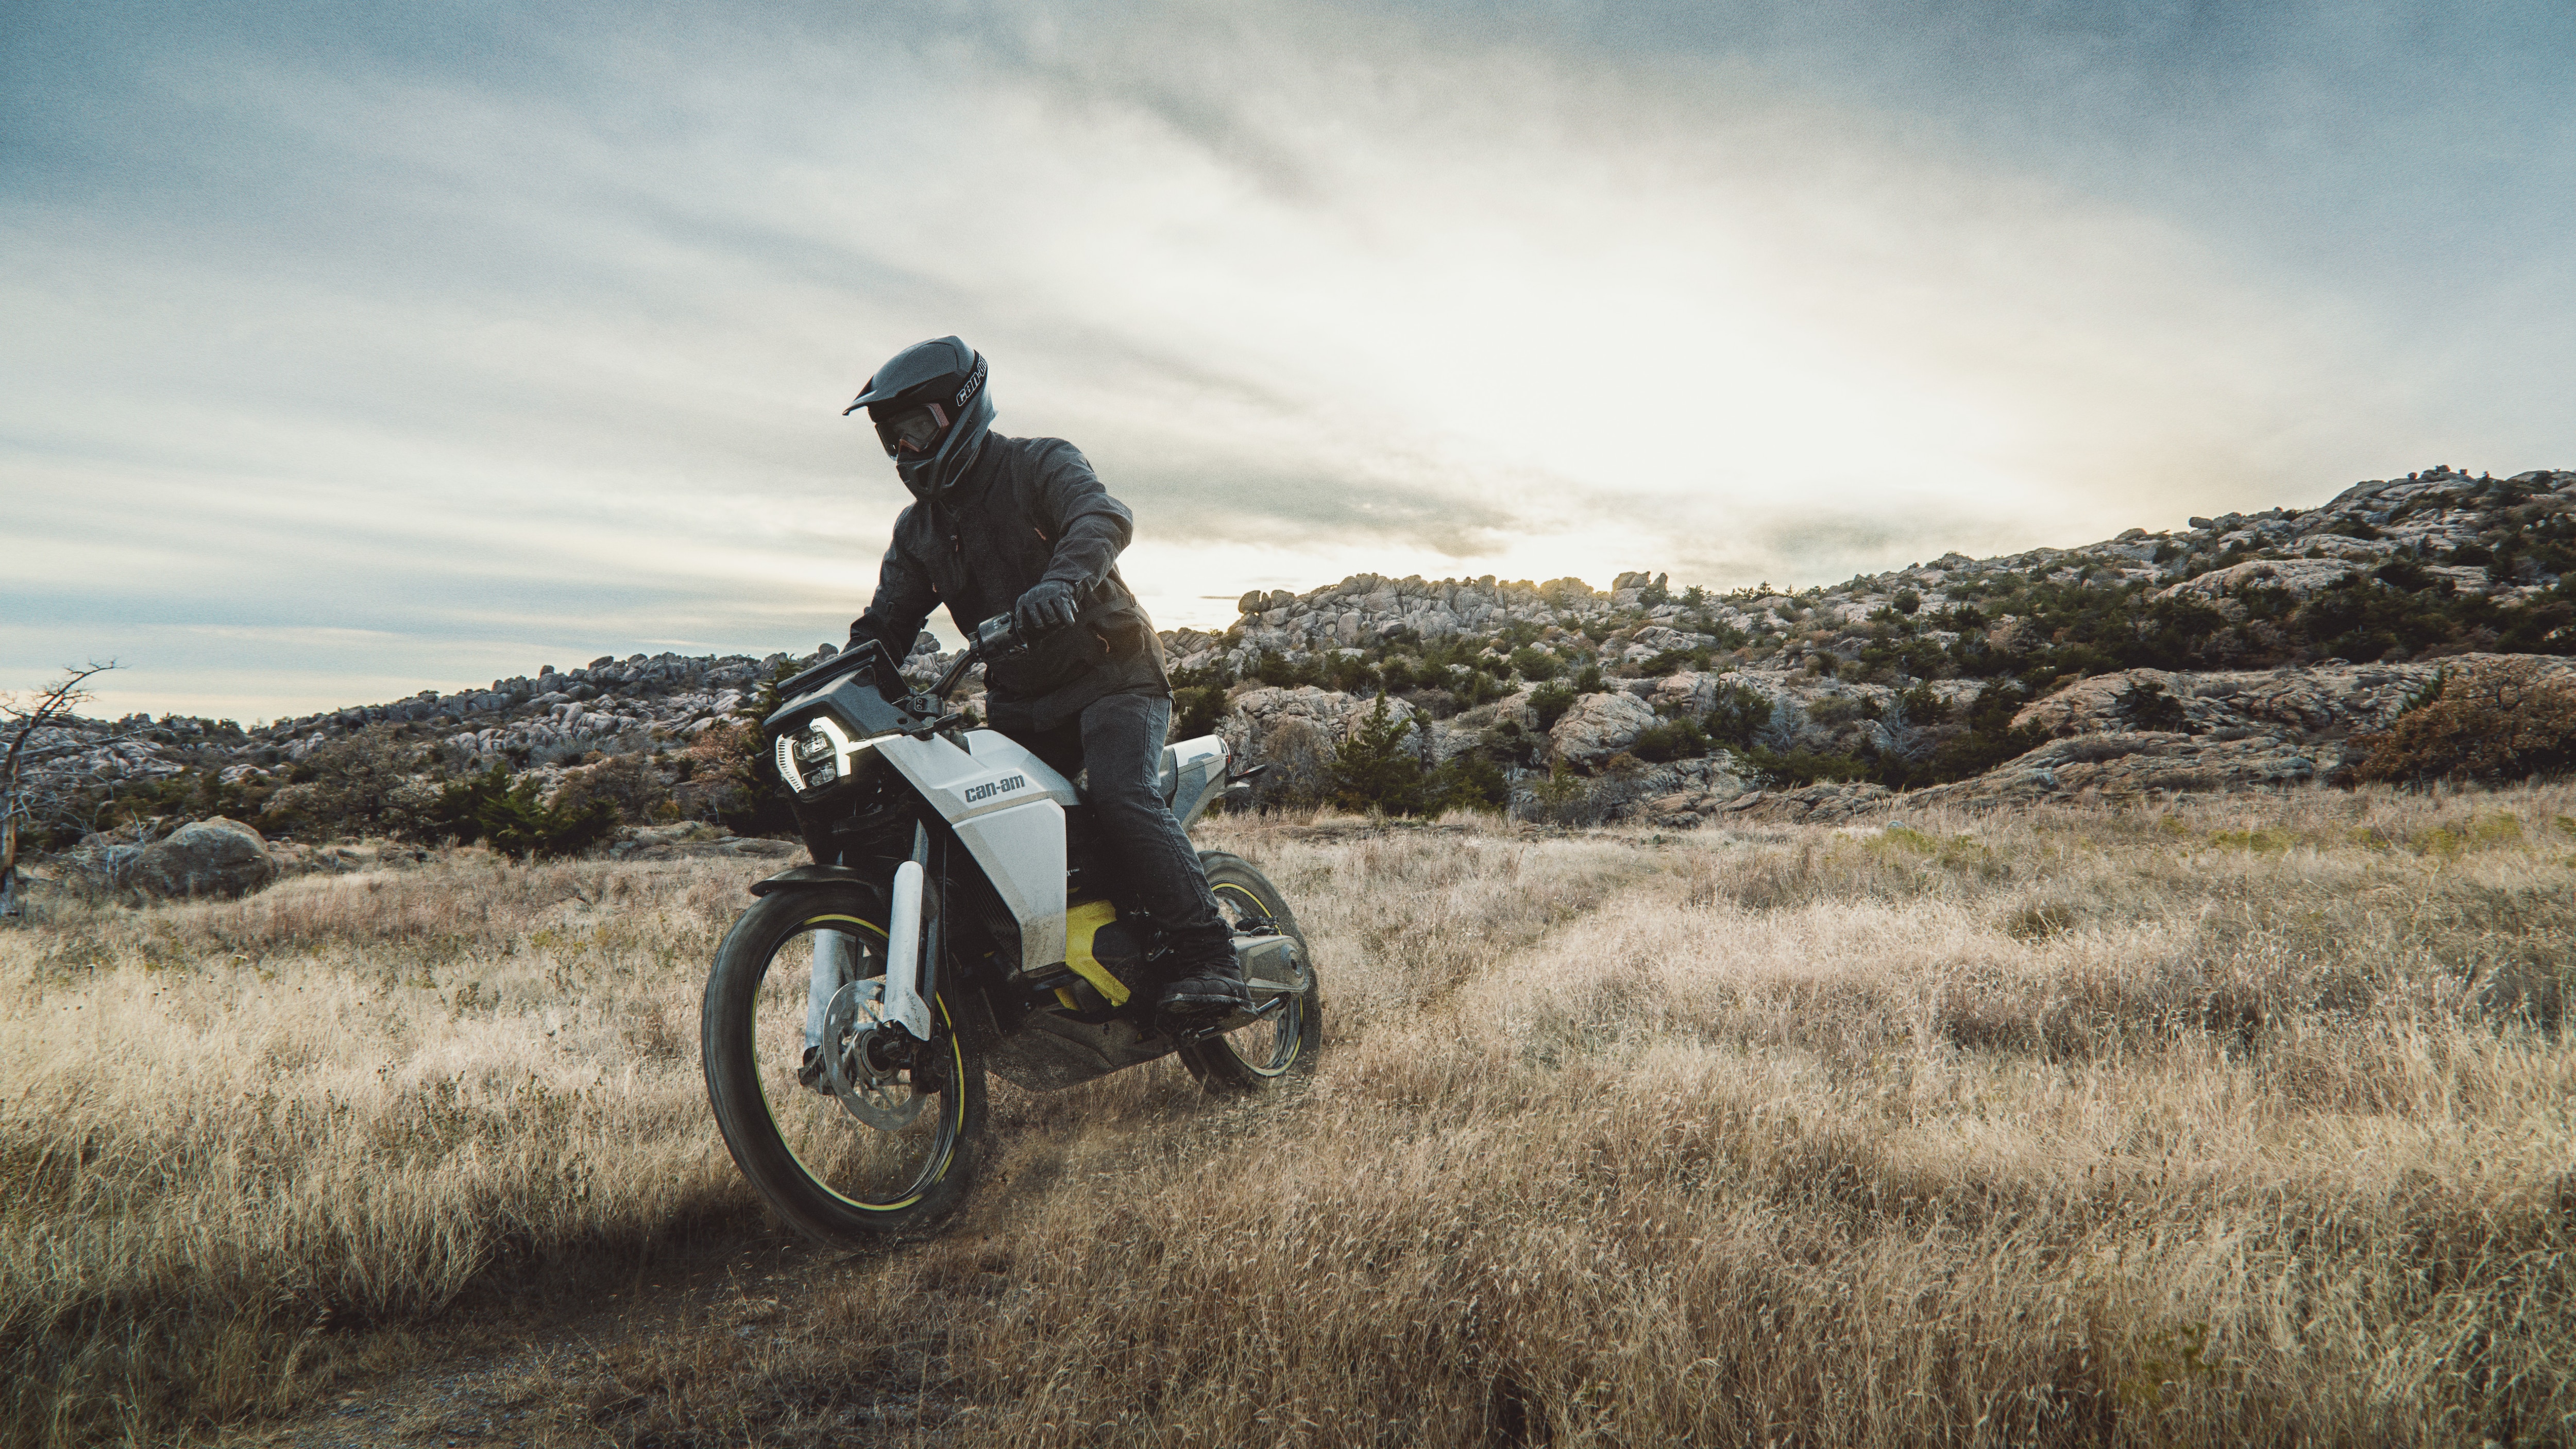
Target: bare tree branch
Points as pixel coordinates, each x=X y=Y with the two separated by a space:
x=52 y=705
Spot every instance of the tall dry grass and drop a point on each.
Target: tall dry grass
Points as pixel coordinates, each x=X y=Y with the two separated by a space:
x=2243 y=1121
x=235 y=1135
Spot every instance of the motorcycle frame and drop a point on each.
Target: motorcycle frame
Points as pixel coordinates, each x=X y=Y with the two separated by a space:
x=1006 y=807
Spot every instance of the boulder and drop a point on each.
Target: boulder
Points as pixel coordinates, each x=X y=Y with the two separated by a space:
x=1692 y=691
x=1599 y=726
x=216 y=857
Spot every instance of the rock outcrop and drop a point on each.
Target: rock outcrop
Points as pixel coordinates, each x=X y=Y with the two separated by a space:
x=2327 y=701
x=1598 y=727
x=1253 y=715
x=1685 y=795
x=1830 y=804
x=1367 y=609
x=2145 y=731
x=2123 y=765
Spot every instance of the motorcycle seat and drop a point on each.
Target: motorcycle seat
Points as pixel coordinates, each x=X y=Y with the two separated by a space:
x=1190 y=774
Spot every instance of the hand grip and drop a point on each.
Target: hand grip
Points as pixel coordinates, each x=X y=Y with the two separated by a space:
x=997 y=638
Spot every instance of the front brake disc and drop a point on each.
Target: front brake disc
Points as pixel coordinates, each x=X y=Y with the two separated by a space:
x=856 y=1014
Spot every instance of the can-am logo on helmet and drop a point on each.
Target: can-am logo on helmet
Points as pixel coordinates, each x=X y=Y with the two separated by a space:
x=973 y=381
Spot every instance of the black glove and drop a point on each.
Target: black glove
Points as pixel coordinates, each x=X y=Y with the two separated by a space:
x=1044 y=609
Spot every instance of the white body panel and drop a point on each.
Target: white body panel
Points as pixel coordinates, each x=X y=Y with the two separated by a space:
x=903 y=954
x=1007 y=806
x=1022 y=852
x=1193 y=774
x=993 y=772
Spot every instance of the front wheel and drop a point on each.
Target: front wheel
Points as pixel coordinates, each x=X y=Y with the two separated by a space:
x=835 y=1175
x=1284 y=1043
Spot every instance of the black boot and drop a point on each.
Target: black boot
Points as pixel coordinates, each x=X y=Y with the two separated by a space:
x=1211 y=990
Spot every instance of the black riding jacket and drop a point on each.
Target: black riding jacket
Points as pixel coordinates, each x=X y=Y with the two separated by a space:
x=1026 y=510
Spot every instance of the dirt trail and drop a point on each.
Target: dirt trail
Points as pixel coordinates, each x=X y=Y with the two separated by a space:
x=505 y=1367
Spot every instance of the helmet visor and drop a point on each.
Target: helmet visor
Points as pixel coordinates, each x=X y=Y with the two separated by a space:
x=909 y=427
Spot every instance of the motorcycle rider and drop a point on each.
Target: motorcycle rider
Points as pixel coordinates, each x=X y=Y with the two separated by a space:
x=1023 y=526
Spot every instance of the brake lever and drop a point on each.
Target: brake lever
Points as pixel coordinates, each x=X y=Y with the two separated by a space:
x=993 y=641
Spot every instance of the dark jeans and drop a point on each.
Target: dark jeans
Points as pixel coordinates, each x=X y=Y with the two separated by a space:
x=1119 y=738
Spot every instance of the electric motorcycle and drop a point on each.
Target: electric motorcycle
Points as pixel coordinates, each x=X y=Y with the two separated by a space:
x=959 y=918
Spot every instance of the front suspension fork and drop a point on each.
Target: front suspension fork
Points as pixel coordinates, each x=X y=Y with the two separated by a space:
x=904 y=932
x=836 y=960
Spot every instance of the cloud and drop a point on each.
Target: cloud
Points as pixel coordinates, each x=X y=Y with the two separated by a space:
x=497 y=332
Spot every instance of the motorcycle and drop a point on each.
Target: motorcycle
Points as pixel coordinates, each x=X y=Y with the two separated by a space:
x=957 y=919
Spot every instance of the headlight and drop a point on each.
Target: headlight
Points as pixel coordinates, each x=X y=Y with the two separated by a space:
x=817 y=755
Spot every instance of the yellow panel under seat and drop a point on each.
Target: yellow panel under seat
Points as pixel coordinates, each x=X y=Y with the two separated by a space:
x=1081 y=923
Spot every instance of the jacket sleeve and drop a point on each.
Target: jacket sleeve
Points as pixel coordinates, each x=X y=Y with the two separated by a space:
x=903 y=601
x=1085 y=527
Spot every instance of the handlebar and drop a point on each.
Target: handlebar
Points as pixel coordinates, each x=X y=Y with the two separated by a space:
x=998 y=638
x=994 y=639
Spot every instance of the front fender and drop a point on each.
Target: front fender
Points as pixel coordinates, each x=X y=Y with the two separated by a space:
x=815 y=877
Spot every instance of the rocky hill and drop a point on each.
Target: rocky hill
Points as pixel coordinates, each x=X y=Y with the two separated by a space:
x=2246 y=650
x=2242 y=651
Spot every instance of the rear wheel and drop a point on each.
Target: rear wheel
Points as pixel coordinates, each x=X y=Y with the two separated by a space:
x=833 y=1175
x=1284 y=1043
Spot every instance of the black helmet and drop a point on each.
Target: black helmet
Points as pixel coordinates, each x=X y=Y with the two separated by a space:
x=931 y=410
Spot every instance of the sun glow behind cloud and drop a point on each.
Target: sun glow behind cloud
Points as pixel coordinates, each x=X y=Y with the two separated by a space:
x=1574 y=318
x=537 y=352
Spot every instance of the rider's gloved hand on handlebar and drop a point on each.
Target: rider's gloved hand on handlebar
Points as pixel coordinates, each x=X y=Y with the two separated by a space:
x=1044 y=609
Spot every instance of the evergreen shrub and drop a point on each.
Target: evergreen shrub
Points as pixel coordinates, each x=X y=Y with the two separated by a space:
x=2508 y=720
x=1375 y=767
x=488 y=807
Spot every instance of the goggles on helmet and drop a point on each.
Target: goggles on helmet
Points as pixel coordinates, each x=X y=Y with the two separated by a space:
x=909 y=426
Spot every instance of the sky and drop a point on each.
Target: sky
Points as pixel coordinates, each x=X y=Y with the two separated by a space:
x=353 y=351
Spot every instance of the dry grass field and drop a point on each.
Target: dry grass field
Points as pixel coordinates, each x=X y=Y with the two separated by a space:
x=2250 y=1121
